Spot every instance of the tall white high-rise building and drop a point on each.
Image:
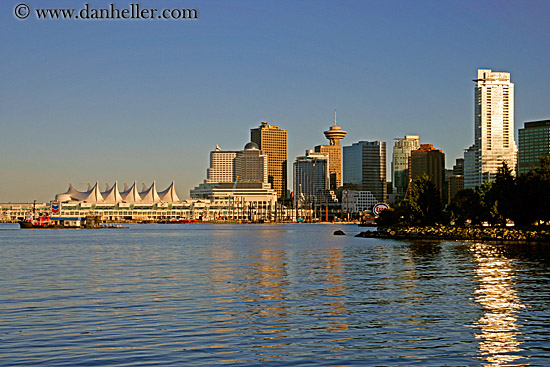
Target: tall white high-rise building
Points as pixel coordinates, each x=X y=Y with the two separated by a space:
x=222 y=166
x=494 y=129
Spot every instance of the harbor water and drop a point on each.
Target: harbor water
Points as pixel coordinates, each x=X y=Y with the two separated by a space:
x=247 y=295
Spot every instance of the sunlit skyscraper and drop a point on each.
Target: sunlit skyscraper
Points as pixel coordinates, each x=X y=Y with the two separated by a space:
x=272 y=141
x=494 y=128
x=402 y=149
x=222 y=166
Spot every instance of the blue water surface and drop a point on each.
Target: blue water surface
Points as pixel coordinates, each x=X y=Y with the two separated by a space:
x=245 y=295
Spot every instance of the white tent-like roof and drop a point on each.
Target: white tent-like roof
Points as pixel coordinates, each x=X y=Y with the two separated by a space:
x=94 y=195
x=72 y=193
x=112 y=195
x=150 y=195
x=169 y=195
x=131 y=195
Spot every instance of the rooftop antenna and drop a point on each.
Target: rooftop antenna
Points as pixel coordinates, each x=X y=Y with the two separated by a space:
x=335 y=117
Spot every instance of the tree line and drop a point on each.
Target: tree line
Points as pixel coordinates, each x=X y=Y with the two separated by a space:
x=523 y=199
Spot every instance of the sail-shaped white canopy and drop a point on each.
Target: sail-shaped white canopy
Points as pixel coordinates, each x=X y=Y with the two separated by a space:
x=169 y=195
x=150 y=195
x=94 y=195
x=70 y=194
x=131 y=195
x=112 y=195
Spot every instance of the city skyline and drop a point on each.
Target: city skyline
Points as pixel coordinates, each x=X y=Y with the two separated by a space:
x=88 y=101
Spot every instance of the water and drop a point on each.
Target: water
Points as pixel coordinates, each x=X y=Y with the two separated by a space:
x=267 y=295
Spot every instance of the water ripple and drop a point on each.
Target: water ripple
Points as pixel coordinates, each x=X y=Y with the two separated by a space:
x=253 y=295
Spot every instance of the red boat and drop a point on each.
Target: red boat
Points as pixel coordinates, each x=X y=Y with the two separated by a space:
x=179 y=220
x=31 y=221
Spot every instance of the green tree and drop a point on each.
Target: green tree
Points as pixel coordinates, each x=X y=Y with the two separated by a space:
x=489 y=204
x=389 y=217
x=466 y=205
x=525 y=213
x=422 y=204
x=532 y=197
x=499 y=197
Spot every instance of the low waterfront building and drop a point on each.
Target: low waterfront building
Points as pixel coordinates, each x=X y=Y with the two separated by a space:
x=241 y=201
x=189 y=209
x=14 y=212
x=130 y=204
x=357 y=201
x=238 y=201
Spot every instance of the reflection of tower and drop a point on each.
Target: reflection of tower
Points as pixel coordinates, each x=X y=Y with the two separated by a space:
x=499 y=326
x=334 y=134
x=335 y=291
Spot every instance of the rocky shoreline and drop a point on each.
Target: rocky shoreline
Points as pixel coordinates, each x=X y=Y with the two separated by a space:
x=461 y=233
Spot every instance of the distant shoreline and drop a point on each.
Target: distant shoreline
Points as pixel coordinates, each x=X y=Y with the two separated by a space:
x=531 y=234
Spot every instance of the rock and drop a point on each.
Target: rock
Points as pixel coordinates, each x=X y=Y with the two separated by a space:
x=339 y=233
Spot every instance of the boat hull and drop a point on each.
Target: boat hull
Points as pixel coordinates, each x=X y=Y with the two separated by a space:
x=30 y=225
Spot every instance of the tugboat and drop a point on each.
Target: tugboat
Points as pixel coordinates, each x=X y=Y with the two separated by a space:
x=31 y=221
x=178 y=221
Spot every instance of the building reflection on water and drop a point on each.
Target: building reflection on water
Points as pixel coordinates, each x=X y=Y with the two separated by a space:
x=257 y=293
x=333 y=288
x=498 y=326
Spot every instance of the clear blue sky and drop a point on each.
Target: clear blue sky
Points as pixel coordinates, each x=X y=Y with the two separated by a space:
x=82 y=101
